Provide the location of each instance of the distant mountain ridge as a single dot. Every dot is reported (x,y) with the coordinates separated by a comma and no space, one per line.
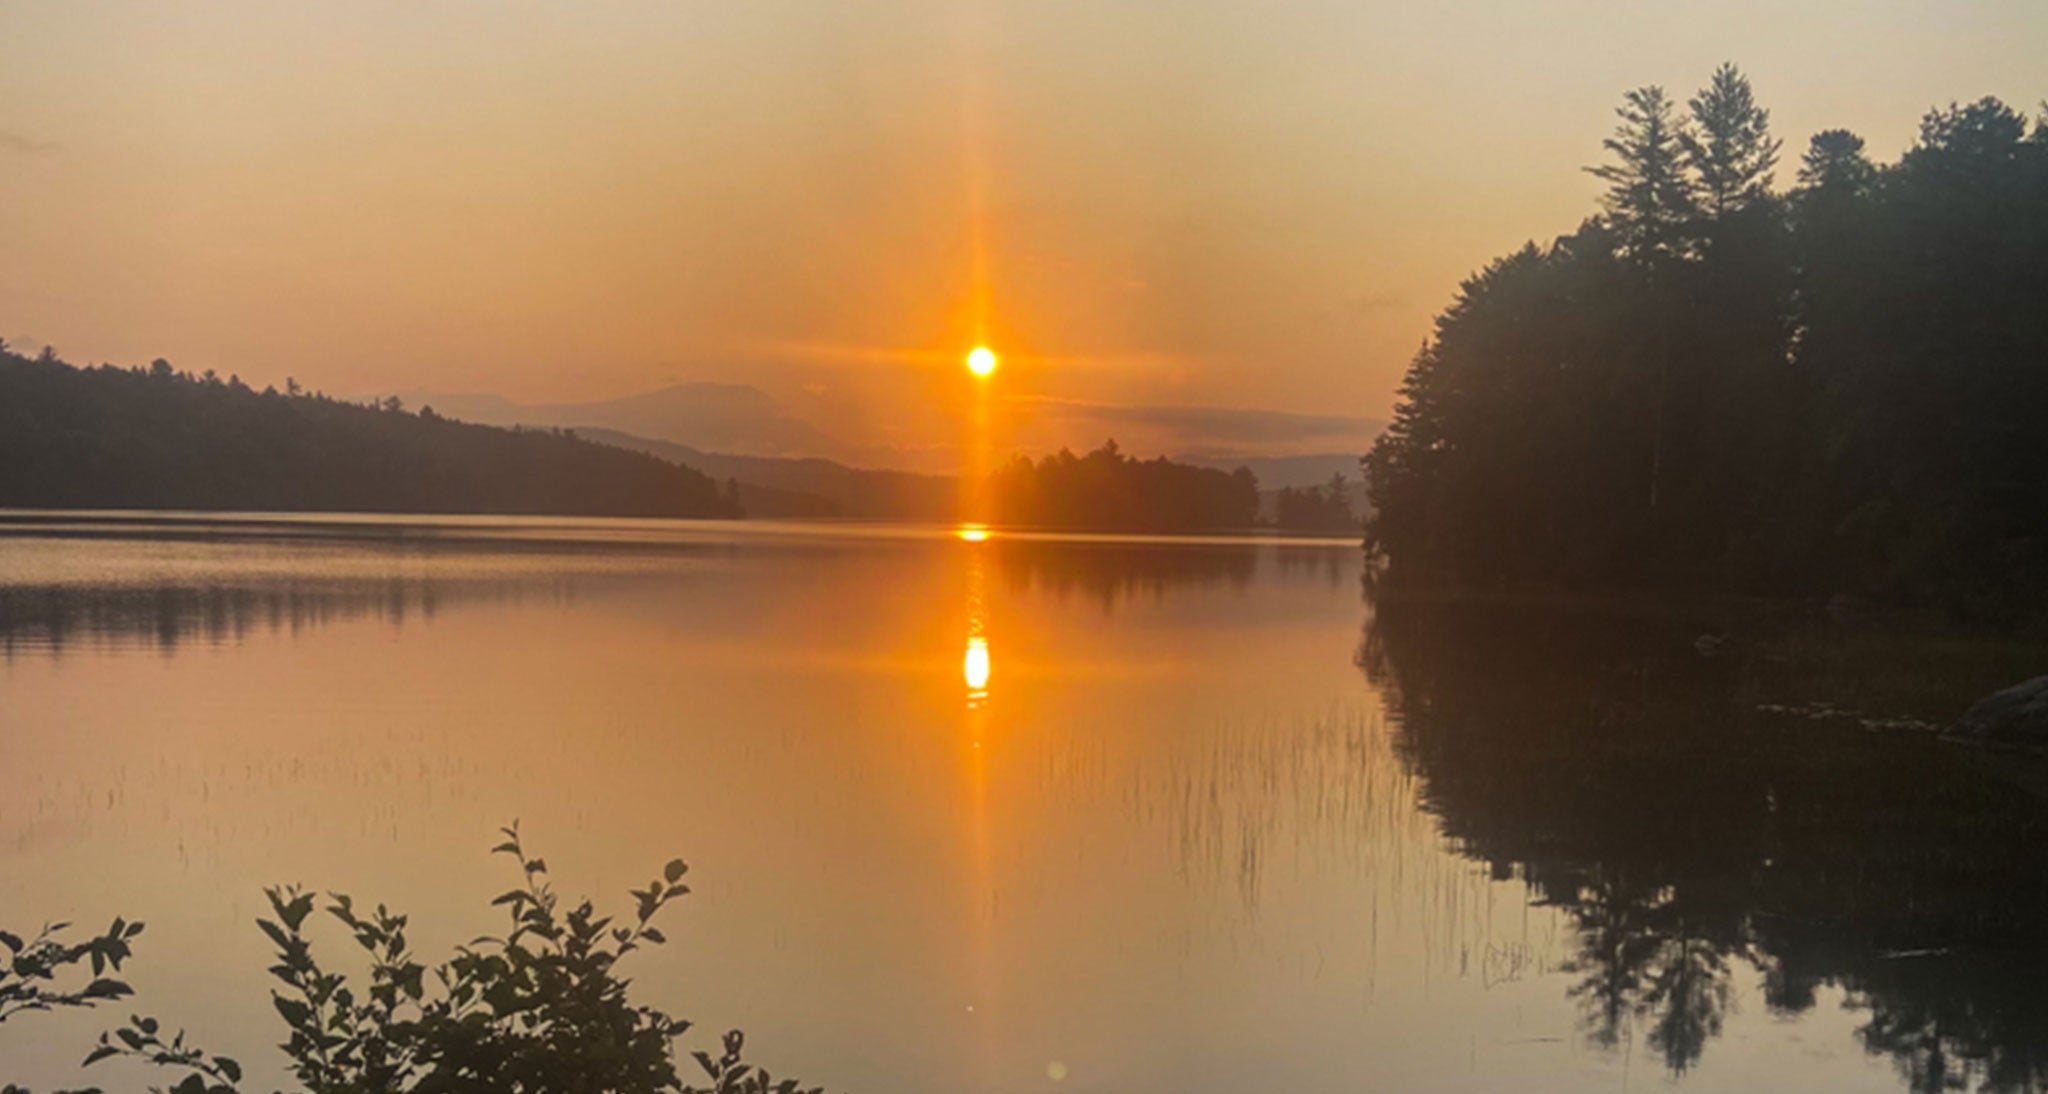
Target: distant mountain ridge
(785,467)
(777,486)
(741,419)
(705,416)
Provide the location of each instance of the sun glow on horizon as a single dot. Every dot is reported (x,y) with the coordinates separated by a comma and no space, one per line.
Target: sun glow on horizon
(982,361)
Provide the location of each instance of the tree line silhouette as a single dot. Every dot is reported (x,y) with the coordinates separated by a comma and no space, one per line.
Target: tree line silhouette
(1324,508)
(1106,490)
(157,438)
(1713,384)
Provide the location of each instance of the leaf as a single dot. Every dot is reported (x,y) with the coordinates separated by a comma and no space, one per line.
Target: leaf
(98,1054)
(228,1067)
(675,870)
(12,941)
(104,988)
(295,912)
(296,1014)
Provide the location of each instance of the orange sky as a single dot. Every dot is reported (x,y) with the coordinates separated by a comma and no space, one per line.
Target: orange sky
(1182,204)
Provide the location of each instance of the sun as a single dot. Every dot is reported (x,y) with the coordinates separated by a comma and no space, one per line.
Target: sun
(981,362)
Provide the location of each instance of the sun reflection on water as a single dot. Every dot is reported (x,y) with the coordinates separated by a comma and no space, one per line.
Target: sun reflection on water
(976,667)
(985,983)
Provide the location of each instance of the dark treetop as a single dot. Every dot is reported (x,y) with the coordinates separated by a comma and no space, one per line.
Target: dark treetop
(1716,385)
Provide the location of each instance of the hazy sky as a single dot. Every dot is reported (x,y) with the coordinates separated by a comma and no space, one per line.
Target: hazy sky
(1178,204)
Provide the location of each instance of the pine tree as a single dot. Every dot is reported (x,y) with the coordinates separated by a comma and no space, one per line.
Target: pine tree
(1729,145)
(1650,200)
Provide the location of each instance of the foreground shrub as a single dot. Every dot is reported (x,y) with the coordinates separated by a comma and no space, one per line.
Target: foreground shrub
(541,1009)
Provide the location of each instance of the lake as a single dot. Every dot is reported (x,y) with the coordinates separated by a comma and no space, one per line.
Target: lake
(993,812)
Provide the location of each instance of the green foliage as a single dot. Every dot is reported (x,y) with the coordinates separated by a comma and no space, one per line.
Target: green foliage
(1109,491)
(1717,387)
(156,438)
(540,1009)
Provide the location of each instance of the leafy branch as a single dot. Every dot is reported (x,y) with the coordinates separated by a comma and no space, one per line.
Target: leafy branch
(540,1009)
(29,980)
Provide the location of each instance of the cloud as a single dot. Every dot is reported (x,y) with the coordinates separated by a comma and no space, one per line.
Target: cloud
(1212,429)
(27,146)
(1381,300)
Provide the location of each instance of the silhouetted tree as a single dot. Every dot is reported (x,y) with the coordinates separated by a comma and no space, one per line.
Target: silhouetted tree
(1713,386)
(1834,164)
(1729,146)
(1325,508)
(1110,491)
(1650,200)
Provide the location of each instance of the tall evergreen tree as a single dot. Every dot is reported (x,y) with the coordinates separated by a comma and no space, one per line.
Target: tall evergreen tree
(1729,144)
(1734,395)
(1650,199)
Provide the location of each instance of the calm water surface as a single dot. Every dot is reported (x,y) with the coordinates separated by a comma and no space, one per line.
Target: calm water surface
(1027,814)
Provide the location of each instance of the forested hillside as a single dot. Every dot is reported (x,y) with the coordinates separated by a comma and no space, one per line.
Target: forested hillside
(156,438)
(1717,384)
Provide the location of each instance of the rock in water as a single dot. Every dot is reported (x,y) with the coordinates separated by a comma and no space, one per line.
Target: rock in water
(2016,716)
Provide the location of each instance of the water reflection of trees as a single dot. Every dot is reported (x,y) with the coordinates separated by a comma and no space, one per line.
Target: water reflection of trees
(198,579)
(172,616)
(1333,565)
(1111,573)
(1630,780)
